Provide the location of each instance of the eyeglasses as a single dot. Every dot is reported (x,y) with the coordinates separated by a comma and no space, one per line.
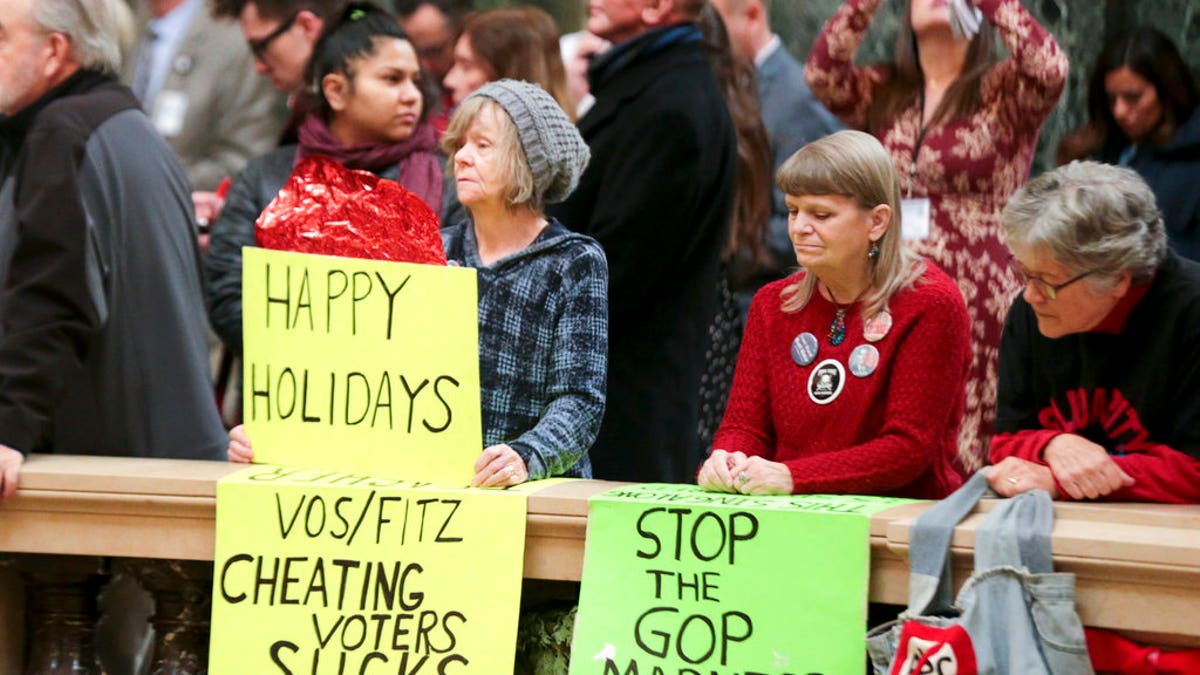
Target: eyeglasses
(1044,287)
(259,47)
(433,51)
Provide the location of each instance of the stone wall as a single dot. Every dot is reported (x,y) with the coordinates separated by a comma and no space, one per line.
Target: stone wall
(1080,26)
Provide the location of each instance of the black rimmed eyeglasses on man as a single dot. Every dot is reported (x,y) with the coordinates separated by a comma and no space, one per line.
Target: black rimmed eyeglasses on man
(259,46)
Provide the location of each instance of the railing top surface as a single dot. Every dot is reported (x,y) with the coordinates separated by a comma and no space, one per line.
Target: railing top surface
(1157,534)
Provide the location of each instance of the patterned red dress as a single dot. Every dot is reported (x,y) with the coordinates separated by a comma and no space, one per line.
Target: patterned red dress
(966,166)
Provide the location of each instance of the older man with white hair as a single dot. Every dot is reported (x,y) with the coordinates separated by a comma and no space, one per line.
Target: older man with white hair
(102,345)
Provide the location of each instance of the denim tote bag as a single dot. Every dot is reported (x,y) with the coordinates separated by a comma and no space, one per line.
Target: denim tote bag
(1014,615)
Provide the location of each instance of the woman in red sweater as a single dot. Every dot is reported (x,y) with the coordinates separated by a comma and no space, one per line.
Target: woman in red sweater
(851,373)
(961,127)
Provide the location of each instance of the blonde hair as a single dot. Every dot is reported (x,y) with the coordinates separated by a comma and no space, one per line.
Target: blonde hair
(855,165)
(517,174)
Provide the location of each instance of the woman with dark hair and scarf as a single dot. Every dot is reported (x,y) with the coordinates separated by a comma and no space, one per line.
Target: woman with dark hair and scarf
(366,104)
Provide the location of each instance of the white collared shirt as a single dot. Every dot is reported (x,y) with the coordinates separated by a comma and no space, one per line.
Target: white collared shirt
(767,50)
(169,31)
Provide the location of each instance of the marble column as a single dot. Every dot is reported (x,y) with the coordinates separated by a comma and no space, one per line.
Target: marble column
(61,613)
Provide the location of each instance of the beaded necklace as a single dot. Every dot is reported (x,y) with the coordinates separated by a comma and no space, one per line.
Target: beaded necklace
(837,329)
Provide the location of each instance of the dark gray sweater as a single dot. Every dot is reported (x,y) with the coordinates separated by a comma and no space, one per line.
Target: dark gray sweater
(103,348)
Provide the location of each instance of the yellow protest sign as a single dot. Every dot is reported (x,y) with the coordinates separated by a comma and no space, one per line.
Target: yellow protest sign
(322,572)
(361,365)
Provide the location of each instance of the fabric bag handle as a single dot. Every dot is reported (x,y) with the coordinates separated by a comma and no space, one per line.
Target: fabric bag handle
(1017,534)
(930,587)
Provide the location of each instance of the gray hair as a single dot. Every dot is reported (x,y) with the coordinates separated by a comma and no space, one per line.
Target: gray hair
(1090,217)
(92,26)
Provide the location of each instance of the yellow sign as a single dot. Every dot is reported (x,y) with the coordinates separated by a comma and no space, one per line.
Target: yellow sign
(361,365)
(320,572)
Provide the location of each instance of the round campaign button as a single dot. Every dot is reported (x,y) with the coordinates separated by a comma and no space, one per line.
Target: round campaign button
(877,326)
(183,64)
(826,381)
(804,349)
(864,360)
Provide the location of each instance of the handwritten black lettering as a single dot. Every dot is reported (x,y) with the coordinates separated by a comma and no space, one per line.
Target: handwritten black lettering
(449,411)
(330,295)
(358,279)
(391,299)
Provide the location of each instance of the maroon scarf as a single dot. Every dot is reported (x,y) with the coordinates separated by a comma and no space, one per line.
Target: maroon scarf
(419,170)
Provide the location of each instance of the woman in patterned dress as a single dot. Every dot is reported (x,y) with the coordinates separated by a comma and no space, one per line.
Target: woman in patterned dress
(961,127)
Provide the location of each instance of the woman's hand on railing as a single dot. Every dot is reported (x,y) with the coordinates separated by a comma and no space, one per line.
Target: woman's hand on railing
(239,445)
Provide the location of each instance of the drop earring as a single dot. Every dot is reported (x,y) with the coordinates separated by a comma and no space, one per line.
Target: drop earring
(873,252)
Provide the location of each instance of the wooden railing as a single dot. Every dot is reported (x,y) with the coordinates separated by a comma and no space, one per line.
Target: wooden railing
(1137,566)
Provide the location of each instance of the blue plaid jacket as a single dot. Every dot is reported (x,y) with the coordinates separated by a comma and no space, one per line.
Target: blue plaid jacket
(543,346)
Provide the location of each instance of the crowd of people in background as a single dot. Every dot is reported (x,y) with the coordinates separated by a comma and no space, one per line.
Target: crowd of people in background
(762,273)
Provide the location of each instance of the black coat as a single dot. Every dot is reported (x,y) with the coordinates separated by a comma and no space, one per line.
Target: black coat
(1173,172)
(657,195)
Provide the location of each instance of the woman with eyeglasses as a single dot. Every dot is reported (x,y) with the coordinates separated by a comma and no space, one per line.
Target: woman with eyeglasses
(1099,392)
(366,103)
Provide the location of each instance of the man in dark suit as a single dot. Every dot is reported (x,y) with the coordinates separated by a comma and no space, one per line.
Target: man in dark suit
(792,115)
(658,196)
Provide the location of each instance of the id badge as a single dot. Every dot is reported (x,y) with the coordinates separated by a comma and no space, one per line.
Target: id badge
(914,218)
(169,110)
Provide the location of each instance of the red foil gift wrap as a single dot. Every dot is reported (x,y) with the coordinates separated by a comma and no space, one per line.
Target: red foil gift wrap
(328,209)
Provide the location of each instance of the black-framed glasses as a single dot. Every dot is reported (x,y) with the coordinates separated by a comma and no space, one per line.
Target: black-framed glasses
(259,46)
(1044,287)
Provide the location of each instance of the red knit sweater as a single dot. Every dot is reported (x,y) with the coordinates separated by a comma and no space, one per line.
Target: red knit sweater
(891,433)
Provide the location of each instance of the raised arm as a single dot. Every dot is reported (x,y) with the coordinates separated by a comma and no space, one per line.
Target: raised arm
(844,88)
(1029,83)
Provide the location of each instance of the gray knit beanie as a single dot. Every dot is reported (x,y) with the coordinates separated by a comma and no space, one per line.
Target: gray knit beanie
(553,147)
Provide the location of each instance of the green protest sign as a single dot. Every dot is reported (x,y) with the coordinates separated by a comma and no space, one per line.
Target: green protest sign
(678,581)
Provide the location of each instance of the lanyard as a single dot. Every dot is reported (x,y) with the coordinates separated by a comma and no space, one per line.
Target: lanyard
(912,167)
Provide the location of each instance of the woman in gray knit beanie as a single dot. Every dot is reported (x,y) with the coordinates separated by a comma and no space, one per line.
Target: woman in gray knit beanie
(543,299)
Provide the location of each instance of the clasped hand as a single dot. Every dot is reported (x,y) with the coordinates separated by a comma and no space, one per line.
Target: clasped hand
(737,473)
(1082,468)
